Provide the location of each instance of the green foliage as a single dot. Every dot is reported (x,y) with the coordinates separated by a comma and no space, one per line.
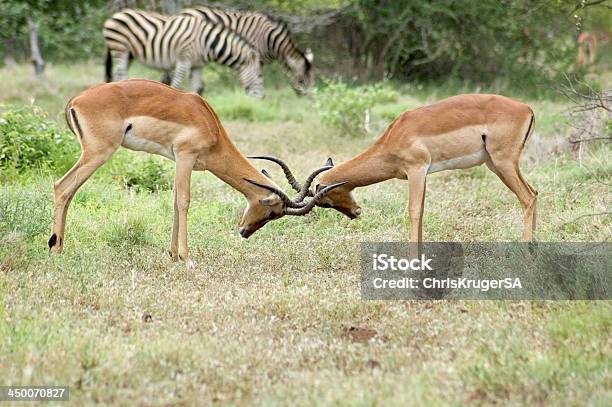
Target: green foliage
(67,29)
(30,141)
(126,232)
(480,40)
(345,108)
(146,175)
(24,211)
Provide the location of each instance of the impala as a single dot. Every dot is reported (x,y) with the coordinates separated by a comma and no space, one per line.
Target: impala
(459,132)
(155,118)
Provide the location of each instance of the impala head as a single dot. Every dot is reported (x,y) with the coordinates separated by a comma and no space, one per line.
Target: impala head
(340,199)
(300,72)
(272,203)
(259,211)
(328,193)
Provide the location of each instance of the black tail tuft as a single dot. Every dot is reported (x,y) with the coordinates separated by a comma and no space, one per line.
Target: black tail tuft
(108,66)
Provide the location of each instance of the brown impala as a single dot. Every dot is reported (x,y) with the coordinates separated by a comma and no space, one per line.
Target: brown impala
(459,132)
(149,116)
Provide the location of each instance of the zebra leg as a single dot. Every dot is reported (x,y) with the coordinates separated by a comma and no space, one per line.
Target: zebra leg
(122,62)
(166,77)
(181,69)
(252,80)
(197,85)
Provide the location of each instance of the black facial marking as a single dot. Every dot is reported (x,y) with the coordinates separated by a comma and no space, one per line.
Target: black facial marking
(52,240)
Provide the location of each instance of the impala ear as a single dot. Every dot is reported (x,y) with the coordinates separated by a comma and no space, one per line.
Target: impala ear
(329,162)
(264,172)
(309,55)
(270,200)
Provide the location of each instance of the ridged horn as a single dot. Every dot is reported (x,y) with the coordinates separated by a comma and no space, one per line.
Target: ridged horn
(311,204)
(305,191)
(286,200)
(292,181)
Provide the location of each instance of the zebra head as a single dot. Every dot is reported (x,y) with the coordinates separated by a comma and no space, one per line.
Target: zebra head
(300,72)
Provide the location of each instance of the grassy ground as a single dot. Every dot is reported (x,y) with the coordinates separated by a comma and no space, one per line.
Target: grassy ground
(278,319)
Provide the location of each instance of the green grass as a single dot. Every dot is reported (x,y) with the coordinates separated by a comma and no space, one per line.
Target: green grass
(263,321)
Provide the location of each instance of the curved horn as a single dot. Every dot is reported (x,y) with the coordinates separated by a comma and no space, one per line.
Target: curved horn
(305,191)
(308,207)
(286,200)
(292,181)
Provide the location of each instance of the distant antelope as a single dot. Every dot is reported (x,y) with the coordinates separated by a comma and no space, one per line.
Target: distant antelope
(587,49)
(149,116)
(459,132)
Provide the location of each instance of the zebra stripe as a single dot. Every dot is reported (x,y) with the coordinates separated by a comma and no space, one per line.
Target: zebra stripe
(183,43)
(269,37)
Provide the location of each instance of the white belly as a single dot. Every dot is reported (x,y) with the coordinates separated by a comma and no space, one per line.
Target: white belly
(465,161)
(132,142)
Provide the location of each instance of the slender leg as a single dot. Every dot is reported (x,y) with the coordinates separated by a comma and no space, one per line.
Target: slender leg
(122,62)
(510,175)
(181,69)
(175,229)
(251,79)
(197,85)
(416,202)
(67,186)
(166,77)
(184,167)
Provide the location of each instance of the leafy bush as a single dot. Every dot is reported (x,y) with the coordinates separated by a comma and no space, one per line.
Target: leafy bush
(68,30)
(147,175)
(29,141)
(126,232)
(24,211)
(347,108)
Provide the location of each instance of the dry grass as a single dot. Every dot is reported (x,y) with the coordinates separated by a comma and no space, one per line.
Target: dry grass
(278,319)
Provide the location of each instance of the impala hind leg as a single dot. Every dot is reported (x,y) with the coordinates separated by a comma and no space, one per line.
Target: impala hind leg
(510,174)
(416,203)
(67,186)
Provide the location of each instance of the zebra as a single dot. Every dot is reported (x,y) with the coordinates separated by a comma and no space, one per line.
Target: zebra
(271,38)
(183,43)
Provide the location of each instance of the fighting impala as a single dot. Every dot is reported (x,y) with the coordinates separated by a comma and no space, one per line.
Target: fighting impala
(459,132)
(149,116)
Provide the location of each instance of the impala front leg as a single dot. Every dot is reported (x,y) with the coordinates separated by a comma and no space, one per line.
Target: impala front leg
(182,185)
(175,229)
(416,202)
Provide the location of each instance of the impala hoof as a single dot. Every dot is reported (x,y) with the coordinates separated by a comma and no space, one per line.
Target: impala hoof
(52,240)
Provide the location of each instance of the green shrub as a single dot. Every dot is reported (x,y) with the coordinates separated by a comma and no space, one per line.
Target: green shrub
(29,141)
(346,108)
(25,212)
(147,175)
(126,232)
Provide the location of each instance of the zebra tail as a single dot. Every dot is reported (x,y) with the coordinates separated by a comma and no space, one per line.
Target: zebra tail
(108,66)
